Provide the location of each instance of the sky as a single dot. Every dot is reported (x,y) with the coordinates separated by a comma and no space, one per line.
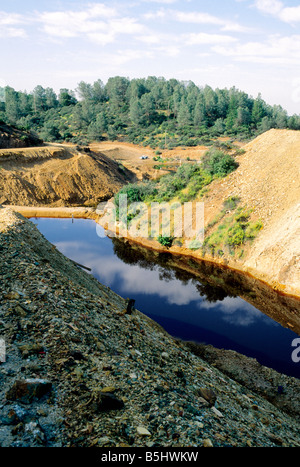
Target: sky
(253,45)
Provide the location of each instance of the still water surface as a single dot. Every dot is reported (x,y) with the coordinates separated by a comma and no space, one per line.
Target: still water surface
(185,307)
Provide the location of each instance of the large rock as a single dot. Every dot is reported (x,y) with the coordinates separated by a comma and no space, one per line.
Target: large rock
(28,390)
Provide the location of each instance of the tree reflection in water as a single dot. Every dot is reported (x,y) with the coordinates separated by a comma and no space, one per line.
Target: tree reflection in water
(148,259)
(214,282)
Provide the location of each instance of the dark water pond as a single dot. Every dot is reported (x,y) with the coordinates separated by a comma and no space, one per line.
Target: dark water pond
(192,301)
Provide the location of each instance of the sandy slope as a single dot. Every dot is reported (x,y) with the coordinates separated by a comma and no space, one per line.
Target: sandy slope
(268,181)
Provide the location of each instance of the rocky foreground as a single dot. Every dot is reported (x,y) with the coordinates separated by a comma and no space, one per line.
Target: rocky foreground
(83,369)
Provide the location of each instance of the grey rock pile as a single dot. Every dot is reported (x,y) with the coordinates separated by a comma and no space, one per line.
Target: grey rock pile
(80,371)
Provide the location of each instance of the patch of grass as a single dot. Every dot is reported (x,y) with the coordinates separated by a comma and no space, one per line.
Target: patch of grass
(229,204)
(234,231)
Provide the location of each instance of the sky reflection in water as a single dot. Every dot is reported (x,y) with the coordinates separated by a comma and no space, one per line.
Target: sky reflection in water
(230,323)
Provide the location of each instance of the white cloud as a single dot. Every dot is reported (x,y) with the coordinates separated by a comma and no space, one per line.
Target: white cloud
(150,39)
(276,49)
(206,18)
(169,50)
(290,15)
(167,2)
(196,17)
(9,19)
(237,312)
(126,26)
(277,8)
(100,10)
(158,14)
(126,55)
(97,23)
(12,32)
(101,38)
(108,270)
(9,25)
(204,38)
(272,7)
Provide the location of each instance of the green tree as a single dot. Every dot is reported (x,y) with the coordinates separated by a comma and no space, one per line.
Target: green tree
(200,117)
(25,104)
(50,132)
(99,91)
(294,122)
(116,90)
(258,110)
(136,112)
(219,127)
(280,117)
(66,97)
(183,116)
(211,104)
(51,98)
(12,110)
(218,163)
(39,99)
(85,91)
(148,108)
(243,116)
(232,113)
(222,102)
(98,127)
(265,125)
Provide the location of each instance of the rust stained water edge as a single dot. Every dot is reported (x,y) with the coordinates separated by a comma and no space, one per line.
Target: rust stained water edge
(281,307)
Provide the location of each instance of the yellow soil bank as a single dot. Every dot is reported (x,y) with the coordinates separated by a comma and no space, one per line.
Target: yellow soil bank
(59,212)
(59,175)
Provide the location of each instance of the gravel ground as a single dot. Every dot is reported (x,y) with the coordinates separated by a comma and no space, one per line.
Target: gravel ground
(83,370)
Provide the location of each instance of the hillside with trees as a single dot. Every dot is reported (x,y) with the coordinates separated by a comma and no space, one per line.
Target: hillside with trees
(11,137)
(151,111)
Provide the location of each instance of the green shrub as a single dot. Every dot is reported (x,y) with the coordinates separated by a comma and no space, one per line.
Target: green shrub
(235,235)
(253,229)
(136,193)
(165,241)
(231,203)
(218,164)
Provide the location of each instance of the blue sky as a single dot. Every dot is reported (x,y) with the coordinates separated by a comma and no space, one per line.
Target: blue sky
(253,45)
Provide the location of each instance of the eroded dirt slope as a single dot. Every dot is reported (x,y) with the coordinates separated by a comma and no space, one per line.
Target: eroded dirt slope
(58,176)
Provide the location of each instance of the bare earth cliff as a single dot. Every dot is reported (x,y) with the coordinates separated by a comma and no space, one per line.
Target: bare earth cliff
(268,181)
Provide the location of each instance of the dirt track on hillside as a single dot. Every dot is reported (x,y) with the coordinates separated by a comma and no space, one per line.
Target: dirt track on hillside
(267,181)
(130,155)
